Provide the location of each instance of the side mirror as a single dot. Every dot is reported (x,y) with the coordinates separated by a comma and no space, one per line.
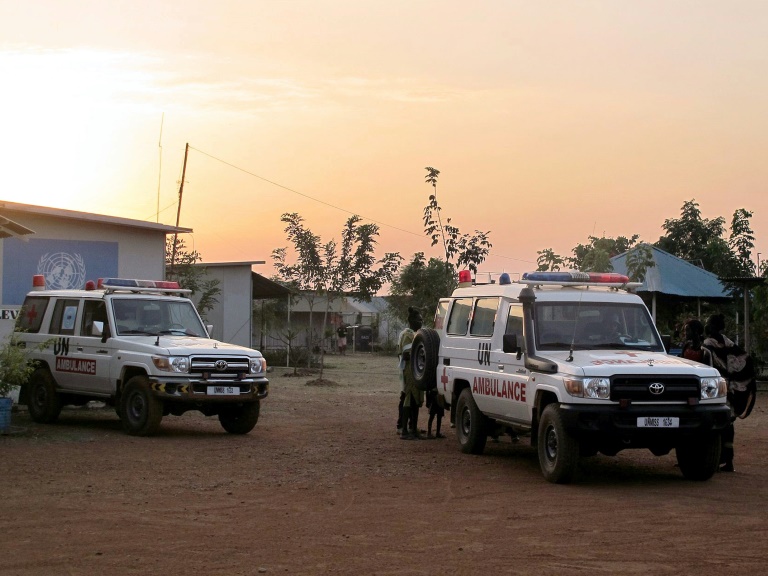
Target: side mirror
(666,340)
(209,327)
(97,328)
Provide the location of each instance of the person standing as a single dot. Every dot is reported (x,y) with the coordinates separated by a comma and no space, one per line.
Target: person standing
(735,365)
(693,348)
(341,334)
(411,397)
(436,410)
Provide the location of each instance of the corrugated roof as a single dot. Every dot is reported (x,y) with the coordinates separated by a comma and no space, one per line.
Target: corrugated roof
(88,217)
(265,288)
(674,276)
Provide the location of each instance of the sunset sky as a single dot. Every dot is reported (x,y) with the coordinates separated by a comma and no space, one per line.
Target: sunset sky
(549,121)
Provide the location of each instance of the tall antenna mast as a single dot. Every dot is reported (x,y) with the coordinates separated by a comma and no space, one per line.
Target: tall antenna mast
(160,166)
(178,210)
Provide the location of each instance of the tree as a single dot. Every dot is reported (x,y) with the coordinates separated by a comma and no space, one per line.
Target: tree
(639,259)
(742,241)
(595,256)
(186,270)
(325,270)
(468,250)
(695,239)
(549,261)
(421,284)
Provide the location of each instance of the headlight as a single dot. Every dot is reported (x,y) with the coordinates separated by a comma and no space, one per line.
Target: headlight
(596,388)
(171,363)
(713,388)
(258,365)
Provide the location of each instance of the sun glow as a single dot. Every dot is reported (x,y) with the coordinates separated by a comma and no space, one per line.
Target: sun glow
(63,115)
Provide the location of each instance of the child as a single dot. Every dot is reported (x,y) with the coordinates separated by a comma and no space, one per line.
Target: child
(435,409)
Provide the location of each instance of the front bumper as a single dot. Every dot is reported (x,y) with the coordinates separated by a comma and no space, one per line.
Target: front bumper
(601,423)
(246,390)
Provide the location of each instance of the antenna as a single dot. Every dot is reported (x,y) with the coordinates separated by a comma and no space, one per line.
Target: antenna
(160,165)
(178,210)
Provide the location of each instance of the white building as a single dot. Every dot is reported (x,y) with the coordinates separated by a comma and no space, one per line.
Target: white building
(69,248)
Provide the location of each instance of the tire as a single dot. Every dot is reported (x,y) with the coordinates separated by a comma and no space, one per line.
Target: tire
(699,458)
(140,411)
(43,402)
(471,424)
(240,419)
(558,450)
(424,352)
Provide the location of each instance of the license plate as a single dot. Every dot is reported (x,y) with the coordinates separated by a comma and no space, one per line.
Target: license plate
(658,422)
(223,391)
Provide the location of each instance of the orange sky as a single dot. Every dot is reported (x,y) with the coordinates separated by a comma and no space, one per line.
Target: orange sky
(549,121)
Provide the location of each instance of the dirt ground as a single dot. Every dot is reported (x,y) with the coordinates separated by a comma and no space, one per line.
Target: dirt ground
(323,485)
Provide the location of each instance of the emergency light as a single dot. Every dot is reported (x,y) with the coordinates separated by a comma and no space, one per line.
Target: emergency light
(591,277)
(465,278)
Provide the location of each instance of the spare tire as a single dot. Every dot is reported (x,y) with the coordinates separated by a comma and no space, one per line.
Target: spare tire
(424,352)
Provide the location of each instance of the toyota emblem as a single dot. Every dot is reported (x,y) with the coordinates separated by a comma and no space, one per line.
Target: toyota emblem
(656,388)
(221,365)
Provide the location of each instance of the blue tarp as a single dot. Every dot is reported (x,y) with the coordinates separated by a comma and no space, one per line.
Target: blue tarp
(672,275)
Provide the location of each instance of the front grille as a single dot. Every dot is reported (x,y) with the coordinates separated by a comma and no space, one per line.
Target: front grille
(638,388)
(213,367)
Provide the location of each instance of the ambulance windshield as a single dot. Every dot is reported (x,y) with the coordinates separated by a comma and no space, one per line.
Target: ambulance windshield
(143,316)
(594,325)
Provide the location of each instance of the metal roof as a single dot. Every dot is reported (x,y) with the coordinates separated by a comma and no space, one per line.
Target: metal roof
(674,276)
(14,207)
(265,288)
(9,228)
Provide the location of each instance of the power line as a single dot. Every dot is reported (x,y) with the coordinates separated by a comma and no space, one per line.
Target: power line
(328,203)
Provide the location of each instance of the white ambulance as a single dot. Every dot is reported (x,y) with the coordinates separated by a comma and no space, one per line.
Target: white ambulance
(573,360)
(140,346)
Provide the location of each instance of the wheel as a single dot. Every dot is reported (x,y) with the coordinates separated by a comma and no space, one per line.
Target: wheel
(424,352)
(471,424)
(43,402)
(699,458)
(558,450)
(140,410)
(240,419)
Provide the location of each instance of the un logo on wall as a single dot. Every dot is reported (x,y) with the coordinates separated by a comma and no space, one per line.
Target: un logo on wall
(62,271)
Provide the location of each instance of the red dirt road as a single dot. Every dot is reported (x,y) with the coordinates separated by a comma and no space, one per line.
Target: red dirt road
(324,486)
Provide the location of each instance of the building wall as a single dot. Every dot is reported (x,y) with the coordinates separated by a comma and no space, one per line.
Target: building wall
(231,315)
(72,251)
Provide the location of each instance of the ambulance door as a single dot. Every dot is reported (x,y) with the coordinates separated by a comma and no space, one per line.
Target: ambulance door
(511,382)
(483,378)
(93,351)
(62,331)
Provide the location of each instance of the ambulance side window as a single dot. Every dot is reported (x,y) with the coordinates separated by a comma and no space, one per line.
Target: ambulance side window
(93,311)
(458,322)
(484,317)
(64,315)
(515,324)
(31,316)
(441,313)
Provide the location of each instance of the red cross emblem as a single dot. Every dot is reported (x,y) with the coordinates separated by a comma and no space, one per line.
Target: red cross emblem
(32,314)
(444,379)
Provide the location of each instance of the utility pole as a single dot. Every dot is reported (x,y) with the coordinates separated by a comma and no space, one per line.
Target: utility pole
(178,210)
